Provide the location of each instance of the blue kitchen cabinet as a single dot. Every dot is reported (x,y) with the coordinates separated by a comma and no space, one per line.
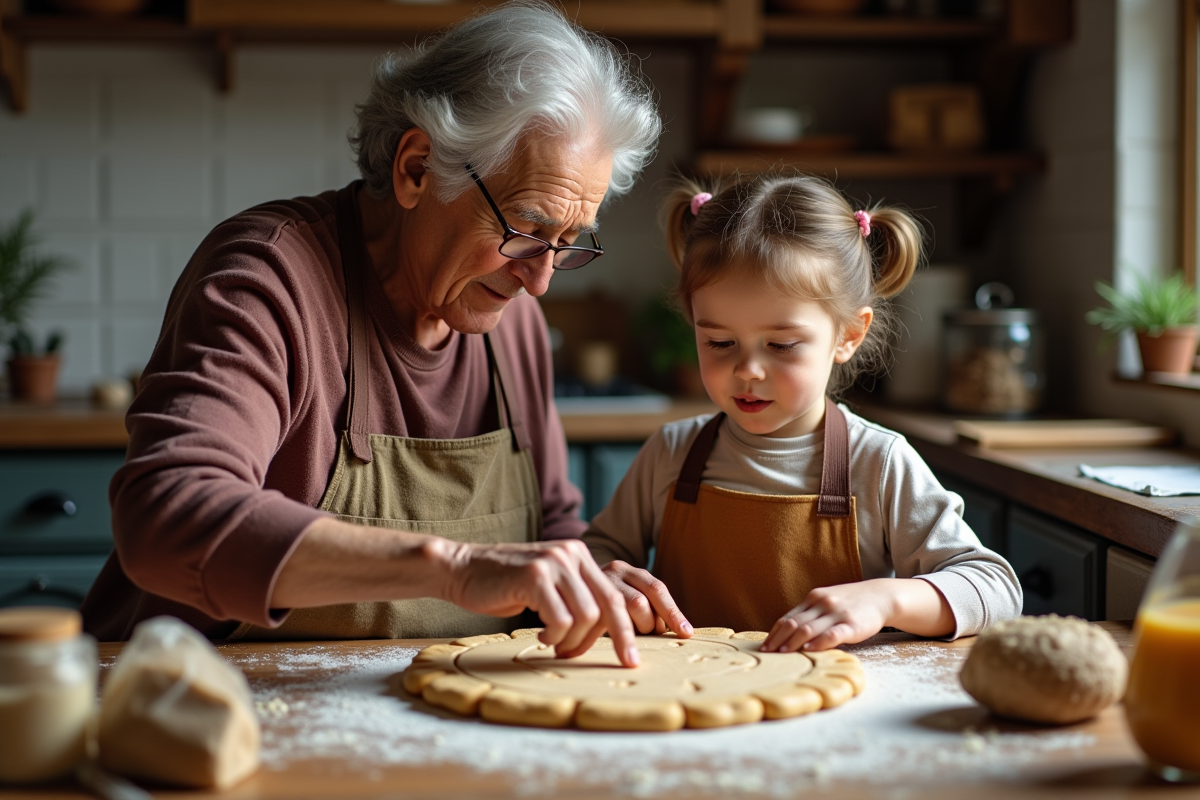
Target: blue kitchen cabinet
(1061,567)
(982,511)
(597,469)
(55,523)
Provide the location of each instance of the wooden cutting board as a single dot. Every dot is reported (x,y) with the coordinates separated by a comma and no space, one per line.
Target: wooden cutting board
(1063,433)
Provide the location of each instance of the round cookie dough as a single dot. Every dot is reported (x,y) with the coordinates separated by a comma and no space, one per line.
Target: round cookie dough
(1047,669)
(713,679)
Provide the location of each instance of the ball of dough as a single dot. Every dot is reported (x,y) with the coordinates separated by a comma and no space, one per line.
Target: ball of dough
(1045,669)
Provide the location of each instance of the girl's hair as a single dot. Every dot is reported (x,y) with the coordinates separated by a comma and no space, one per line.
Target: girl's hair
(480,86)
(798,234)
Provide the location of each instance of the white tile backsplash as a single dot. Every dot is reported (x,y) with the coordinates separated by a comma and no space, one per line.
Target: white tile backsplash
(248,181)
(160,188)
(17,186)
(135,270)
(129,155)
(70,189)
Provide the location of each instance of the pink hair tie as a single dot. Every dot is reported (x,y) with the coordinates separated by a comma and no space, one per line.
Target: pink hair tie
(699,200)
(864,222)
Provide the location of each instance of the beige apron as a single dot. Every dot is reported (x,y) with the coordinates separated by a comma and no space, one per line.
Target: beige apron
(481,490)
(740,560)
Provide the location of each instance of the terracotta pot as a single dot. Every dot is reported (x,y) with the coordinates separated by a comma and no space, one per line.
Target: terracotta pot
(1172,351)
(33,379)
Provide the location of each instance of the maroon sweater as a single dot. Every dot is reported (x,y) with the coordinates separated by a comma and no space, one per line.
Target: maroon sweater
(235,429)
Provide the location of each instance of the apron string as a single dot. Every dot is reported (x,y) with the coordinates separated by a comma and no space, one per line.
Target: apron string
(687,485)
(354,260)
(502,380)
(834,500)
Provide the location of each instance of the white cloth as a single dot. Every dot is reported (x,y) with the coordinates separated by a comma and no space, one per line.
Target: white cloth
(1163,481)
(908,525)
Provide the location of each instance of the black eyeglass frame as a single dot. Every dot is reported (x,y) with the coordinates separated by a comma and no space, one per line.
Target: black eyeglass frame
(511,233)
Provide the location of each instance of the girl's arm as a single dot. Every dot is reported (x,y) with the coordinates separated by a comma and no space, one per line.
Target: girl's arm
(851,612)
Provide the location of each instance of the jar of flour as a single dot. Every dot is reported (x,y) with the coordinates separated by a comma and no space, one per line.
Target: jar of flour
(47,692)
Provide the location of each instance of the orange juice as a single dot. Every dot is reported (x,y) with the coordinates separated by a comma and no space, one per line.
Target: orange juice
(1162,702)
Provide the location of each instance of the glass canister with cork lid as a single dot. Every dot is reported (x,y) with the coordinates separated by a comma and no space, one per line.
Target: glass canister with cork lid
(47,692)
(993,356)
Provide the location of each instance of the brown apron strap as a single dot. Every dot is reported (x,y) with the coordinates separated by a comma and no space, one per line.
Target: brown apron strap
(687,486)
(502,379)
(834,500)
(354,260)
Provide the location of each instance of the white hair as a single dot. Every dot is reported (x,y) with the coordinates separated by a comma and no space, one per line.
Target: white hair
(481,85)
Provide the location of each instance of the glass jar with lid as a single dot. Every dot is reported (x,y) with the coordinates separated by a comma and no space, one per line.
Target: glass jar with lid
(47,692)
(993,356)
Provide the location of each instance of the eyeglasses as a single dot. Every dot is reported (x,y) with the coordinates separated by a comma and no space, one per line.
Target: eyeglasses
(522,245)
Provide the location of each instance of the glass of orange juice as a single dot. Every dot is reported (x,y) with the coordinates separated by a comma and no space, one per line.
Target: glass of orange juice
(1162,701)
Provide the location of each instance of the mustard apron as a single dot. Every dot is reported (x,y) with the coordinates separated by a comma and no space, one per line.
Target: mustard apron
(480,490)
(740,560)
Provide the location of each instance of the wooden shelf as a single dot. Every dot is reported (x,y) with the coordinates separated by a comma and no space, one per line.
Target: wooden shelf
(646,19)
(1188,383)
(875,30)
(1002,167)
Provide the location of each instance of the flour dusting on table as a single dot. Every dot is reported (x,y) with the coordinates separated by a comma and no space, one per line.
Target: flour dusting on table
(910,718)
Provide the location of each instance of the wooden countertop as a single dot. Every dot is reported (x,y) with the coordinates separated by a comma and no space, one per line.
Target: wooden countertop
(1048,480)
(74,423)
(1095,758)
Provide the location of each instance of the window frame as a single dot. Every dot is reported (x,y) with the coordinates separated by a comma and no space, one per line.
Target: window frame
(1189,85)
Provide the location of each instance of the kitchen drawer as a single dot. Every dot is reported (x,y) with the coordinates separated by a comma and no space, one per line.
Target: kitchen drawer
(56,502)
(47,580)
(983,511)
(1125,582)
(1060,567)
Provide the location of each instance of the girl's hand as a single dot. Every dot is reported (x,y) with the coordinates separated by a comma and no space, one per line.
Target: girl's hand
(646,598)
(851,612)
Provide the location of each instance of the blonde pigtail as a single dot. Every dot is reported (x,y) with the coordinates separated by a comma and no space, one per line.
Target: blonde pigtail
(899,254)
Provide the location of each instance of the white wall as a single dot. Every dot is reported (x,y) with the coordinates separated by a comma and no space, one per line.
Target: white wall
(1103,109)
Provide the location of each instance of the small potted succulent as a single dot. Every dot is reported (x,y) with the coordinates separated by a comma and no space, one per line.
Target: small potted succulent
(24,277)
(1162,314)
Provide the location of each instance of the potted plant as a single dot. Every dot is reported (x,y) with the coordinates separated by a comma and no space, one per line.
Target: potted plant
(671,345)
(1162,313)
(24,277)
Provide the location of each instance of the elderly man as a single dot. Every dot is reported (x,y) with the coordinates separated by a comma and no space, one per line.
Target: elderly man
(347,428)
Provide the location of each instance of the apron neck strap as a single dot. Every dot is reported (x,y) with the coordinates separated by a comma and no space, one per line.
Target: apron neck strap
(355,260)
(687,485)
(834,499)
(501,381)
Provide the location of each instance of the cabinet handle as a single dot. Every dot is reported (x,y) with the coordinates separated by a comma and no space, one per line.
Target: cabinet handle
(51,504)
(1038,581)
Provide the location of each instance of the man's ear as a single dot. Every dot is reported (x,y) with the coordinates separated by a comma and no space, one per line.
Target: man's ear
(853,337)
(410,176)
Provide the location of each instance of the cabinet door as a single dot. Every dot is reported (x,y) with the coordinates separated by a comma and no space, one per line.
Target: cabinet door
(606,467)
(1059,567)
(983,511)
(56,502)
(47,580)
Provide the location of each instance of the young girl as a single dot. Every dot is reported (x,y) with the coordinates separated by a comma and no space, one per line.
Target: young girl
(786,512)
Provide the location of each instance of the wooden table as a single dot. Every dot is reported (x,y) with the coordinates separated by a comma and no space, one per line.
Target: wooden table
(1107,765)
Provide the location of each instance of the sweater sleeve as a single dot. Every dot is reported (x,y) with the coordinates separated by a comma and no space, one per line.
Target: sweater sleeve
(191,519)
(928,539)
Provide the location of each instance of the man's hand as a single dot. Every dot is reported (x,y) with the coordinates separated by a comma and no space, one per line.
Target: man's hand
(647,600)
(557,579)
(851,612)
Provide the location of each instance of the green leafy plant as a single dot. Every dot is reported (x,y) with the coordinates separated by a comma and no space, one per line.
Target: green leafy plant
(25,276)
(1152,307)
(670,339)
